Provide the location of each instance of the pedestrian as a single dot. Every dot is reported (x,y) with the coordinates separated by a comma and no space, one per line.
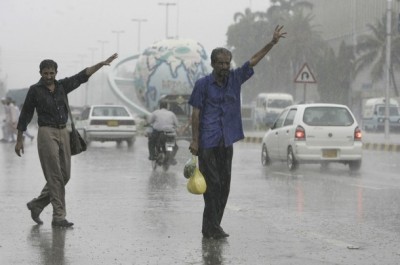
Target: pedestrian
(216,125)
(5,127)
(14,114)
(48,98)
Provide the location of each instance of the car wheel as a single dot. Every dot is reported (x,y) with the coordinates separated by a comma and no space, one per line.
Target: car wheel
(355,165)
(292,162)
(324,165)
(130,142)
(265,159)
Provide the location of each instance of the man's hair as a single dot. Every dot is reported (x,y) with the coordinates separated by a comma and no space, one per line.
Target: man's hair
(163,105)
(48,64)
(218,51)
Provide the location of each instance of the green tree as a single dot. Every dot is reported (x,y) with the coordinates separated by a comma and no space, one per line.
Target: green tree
(371,52)
(335,74)
(245,37)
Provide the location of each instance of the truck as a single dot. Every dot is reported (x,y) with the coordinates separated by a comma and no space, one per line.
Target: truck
(268,106)
(179,104)
(373,118)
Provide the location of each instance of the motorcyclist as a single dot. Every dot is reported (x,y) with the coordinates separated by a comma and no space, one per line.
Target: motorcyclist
(161,120)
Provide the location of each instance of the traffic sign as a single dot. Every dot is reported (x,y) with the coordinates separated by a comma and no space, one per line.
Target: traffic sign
(305,75)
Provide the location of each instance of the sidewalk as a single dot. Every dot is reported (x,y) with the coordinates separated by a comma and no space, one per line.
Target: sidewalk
(371,141)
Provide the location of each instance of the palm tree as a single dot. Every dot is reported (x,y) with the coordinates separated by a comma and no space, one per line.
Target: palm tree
(371,51)
(245,37)
(334,74)
(253,29)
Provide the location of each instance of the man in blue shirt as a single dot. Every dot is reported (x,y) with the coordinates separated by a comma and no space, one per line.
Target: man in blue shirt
(216,125)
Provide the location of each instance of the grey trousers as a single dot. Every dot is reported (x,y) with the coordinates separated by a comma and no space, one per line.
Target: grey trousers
(55,159)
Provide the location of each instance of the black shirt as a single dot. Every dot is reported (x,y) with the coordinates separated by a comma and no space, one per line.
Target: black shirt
(50,106)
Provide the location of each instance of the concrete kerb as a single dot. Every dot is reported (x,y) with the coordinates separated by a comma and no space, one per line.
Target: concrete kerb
(389,147)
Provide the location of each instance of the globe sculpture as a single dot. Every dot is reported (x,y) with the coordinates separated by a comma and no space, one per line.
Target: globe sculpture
(169,67)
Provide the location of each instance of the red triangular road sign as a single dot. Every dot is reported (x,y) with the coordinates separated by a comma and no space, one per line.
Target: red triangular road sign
(305,75)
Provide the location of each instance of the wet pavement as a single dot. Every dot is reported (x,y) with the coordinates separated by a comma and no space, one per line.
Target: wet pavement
(126,213)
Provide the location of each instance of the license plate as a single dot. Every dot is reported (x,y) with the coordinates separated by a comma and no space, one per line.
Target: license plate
(112,123)
(170,146)
(329,153)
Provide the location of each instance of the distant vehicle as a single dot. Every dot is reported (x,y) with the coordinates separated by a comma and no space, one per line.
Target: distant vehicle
(314,133)
(268,106)
(107,123)
(179,104)
(374,114)
(164,150)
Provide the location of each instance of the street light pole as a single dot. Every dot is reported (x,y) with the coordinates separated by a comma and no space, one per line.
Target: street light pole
(388,47)
(166,4)
(102,42)
(92,50)
(118,32)
(139,21)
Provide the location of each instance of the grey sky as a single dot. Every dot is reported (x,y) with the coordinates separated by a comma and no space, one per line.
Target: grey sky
(65,30)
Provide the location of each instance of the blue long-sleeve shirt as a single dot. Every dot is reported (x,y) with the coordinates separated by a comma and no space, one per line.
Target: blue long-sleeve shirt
(220,107)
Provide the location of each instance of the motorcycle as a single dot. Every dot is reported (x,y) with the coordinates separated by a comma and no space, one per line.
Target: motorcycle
(165,149)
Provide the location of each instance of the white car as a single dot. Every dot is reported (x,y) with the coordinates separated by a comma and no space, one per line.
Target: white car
(314,133)
(107,123)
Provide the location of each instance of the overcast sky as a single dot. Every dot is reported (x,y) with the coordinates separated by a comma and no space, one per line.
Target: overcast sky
(67,30)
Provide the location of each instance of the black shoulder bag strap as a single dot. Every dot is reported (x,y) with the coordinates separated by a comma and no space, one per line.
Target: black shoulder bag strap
(67,106)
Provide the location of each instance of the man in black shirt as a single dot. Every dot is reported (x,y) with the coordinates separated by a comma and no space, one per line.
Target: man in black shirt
(48,98)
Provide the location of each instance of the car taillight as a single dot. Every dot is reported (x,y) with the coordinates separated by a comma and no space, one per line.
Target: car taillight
(300,134)
(357,134)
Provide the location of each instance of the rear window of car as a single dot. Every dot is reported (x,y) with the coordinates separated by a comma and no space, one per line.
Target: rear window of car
(110,111)
(327,116)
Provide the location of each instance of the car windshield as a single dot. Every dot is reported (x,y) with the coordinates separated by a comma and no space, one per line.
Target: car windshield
(393,110)
(110,111)
(327,116)
(279,103)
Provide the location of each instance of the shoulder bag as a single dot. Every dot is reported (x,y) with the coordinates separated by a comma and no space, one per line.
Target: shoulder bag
(76,142)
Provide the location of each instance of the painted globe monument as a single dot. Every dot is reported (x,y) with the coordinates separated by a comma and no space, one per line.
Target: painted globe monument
(169,67)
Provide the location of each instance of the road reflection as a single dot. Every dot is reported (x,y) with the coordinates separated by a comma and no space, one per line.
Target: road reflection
(50,244)
(212,251)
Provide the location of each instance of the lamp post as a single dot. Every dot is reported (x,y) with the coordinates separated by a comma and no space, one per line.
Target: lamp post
(166,4)
(117,32)
(102,42)
(92,50)
(388,47)
(139,21)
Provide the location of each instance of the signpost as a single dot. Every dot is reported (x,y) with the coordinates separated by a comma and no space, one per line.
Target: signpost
(305,76)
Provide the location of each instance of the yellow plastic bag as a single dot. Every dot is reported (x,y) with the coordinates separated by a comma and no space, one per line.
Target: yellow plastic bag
(197,183)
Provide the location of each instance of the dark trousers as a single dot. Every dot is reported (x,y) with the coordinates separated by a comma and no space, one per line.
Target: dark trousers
(152,142)
(215,164)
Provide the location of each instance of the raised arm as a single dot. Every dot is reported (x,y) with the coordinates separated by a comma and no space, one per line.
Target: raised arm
(261,53)
(93,69)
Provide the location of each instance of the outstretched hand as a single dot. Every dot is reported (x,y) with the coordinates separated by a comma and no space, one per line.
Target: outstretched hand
(110,59)
(278,34)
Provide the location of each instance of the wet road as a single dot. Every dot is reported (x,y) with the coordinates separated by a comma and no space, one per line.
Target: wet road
(126,213)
